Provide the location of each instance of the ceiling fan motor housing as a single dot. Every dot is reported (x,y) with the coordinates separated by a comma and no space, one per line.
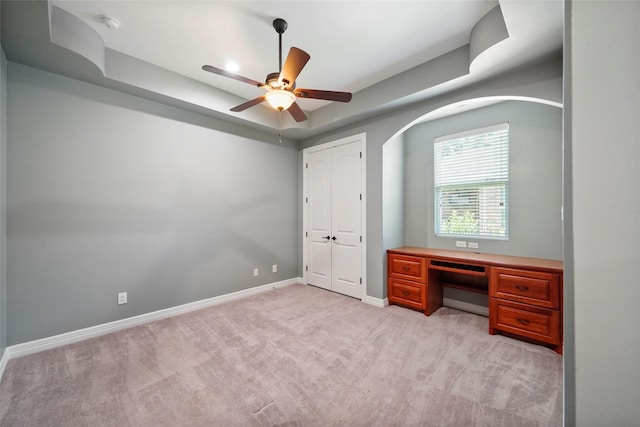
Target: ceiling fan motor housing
(273,82)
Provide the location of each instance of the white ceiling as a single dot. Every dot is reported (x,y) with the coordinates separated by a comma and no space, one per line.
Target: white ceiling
(354,45)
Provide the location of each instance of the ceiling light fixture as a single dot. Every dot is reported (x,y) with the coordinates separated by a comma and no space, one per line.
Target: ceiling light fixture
(110,22)
(280,99)
(232,66)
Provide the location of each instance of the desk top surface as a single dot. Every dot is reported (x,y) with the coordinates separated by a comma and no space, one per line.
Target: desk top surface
(482,258)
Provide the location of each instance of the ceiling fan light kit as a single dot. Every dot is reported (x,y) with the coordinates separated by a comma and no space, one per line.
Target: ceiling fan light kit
(281,86)
(280,99)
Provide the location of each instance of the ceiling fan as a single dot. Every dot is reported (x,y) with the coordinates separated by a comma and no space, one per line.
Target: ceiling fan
(281,86)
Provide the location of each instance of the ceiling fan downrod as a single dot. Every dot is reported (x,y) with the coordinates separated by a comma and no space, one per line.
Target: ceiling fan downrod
(280,25)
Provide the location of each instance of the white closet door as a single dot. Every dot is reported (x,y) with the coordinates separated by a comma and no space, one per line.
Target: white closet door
(319,218)
(346,219)
(334,219)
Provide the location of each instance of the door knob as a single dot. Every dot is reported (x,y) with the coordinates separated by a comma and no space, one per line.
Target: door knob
(334,238)
(327,237)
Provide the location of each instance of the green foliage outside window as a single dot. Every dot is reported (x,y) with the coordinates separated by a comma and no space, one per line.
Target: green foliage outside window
(460,223)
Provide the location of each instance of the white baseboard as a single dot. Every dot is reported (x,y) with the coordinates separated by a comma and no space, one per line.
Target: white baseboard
(3,363)
(465,306)
(376,302)
(105,328)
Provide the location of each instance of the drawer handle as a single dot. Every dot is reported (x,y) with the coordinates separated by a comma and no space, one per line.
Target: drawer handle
(522,288)
(406,268)
(523,321)
(405,293)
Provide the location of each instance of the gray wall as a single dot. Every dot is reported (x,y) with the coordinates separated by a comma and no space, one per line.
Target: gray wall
(3,183)
(602,289)
(393,192)
(110,193)
(535,179)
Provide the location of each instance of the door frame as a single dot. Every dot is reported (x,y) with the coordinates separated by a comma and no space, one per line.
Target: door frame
(362,138)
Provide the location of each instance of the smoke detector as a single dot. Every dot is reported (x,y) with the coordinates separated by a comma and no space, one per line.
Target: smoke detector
(110,22)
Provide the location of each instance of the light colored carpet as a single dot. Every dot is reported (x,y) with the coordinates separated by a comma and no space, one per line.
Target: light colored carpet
(296,356)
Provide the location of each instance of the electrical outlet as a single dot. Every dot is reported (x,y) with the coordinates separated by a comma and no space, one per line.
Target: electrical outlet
(274,268)
(474,245)
(255,272)
(461,244)
(122,298)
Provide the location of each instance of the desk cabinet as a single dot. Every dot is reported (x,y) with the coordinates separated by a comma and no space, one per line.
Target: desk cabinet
(407,284)
(525,294)
(526,303)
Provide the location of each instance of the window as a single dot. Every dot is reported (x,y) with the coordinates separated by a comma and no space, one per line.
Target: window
(471,184)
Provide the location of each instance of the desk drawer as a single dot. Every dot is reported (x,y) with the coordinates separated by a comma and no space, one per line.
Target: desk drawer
(410,294)
(529,287)
(533,322)
(408,267)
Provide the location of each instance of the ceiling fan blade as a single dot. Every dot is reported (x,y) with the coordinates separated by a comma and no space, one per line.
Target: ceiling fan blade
(248,104)
(226,73)
(297,113)
(328,95)
(295,62)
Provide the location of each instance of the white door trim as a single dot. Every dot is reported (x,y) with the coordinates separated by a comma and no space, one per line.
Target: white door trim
(362,137)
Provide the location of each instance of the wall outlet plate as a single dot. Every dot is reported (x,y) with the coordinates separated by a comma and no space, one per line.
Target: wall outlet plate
(255,272)
(461,244)
(274,268)
(474,245)
(122,298)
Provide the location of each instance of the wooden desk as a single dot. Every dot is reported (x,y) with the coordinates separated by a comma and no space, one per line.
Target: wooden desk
(525,294)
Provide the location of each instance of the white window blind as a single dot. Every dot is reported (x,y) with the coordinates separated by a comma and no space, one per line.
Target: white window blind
(471,180)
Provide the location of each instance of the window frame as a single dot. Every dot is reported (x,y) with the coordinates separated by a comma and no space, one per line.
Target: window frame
(471,185)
